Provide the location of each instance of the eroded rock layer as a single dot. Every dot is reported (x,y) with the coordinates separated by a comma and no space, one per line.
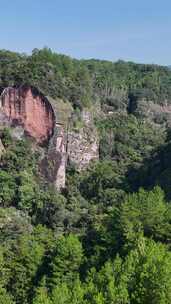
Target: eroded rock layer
(30,113)
(27,107)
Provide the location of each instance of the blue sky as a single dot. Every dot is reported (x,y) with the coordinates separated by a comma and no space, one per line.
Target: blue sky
(137,30)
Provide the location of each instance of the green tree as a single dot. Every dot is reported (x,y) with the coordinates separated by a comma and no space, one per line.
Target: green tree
(67,259)
(146,211)
(7,189)
(4,297)
(41,296)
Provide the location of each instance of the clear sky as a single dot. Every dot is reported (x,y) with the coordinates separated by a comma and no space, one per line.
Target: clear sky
(137,30)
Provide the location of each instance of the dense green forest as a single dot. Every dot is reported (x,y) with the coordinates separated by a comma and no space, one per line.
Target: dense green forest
(106,239)
(85,81)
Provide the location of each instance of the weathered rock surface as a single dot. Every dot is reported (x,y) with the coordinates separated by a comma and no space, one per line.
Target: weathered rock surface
(30,113)
(2,148)
(27,107)
(83,145)
(54,164)
(158,113)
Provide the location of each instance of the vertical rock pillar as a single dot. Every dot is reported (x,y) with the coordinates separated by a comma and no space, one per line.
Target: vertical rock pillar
(61,148)
(57,157)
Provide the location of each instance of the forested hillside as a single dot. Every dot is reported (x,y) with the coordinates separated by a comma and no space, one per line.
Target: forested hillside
(106,237)
(86,81)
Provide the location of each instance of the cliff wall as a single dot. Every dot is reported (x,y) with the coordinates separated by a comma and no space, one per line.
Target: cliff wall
(28,108)
(29,113)
(83,144)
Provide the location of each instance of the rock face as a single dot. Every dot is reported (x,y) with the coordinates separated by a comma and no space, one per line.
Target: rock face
(83,146)
(2,148)
(157,113)
(28,108)
(30,113)
(54,164)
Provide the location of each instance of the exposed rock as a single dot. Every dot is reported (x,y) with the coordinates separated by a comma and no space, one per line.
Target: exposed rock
(83,144)
(54,164)
(60,145)
(2,148)
(30,113)
(158,113)
(27,107)
(82,148)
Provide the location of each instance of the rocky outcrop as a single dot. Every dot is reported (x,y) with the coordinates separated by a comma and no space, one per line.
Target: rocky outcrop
(30,113)
(83,144)
(157,113)
(2,148)
(83,147)
(27,107)
(54,164)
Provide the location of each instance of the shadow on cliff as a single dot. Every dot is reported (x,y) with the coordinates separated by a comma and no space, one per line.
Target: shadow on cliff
(155,170)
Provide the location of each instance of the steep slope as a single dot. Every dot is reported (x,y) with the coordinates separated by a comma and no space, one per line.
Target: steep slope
(27,107)
(31,114)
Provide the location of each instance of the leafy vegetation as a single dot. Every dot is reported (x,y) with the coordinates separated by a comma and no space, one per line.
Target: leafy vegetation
(84,82)
(107,237)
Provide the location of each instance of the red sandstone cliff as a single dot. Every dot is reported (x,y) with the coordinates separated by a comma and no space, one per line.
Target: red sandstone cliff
(29,112)
(27,107)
